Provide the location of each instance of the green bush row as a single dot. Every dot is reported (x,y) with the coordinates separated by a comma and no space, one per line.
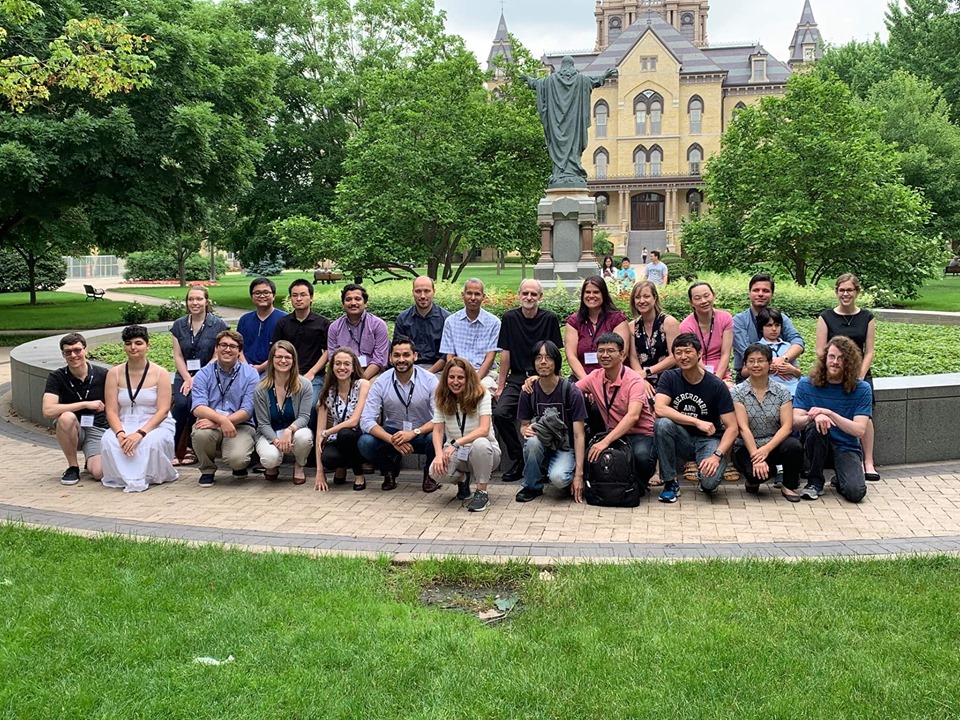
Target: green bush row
(138,314)
(156,265)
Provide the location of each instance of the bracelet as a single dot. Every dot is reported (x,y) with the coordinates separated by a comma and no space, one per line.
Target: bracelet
(141,433)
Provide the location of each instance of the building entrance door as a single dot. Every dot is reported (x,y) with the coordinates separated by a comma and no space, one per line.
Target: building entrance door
(646,212)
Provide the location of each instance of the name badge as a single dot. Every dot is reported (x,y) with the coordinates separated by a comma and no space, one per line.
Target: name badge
(193,365)
(590,358)
(86,420)
(710,369)
(408,427)
(362,359)
(463,453)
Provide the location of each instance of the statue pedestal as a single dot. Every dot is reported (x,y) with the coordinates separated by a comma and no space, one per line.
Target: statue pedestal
(566,217)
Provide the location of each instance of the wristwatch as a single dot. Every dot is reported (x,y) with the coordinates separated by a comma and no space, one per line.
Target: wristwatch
(718,453)
(416,431)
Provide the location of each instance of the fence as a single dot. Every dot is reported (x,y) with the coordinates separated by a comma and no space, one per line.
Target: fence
(93,266)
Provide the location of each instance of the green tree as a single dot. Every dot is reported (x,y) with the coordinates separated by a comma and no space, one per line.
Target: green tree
(924,37)
(440,167)
(916,118)
(858,64)
(805,182)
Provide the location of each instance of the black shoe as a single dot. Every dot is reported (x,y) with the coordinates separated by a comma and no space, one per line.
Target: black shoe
(240,474)
(513,474)
(463,489)
(389,481)
(206,480)
(526,494)
(71,476)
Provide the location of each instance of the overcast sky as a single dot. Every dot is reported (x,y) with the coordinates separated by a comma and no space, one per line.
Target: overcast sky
(551,25)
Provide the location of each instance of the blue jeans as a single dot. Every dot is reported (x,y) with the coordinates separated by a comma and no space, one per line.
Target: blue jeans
(384,456)
(559,465)
(675,446)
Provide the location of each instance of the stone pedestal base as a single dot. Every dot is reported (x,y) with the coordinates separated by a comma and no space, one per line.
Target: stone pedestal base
(566,217)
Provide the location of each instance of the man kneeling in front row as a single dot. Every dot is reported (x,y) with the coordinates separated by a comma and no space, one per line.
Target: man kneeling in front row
(695,420)
(834,407)
(552,427)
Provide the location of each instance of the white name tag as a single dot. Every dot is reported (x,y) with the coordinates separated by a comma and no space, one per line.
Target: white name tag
(86,420)
(362,359)
(463,453)
(408,427)
(590,358)
(193,365)
(710,369)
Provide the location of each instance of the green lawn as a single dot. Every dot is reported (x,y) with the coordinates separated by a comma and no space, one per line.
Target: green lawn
(942,295)
(107,628)
(57,311)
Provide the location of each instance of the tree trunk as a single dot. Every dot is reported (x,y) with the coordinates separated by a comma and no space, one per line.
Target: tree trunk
(182,270)
(9,224)
(213,261)
(32,276)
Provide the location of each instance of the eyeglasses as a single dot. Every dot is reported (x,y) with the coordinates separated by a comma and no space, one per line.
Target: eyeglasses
(261,293)
(67,352)
(846,291)
(227,346)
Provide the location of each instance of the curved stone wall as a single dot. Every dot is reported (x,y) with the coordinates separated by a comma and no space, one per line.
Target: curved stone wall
(916,417)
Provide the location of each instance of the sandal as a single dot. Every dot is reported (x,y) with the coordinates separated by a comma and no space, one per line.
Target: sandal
(358,486)
(189,457)
(176,461)
(655,481)
(690,472)
(299,480)
(731,474)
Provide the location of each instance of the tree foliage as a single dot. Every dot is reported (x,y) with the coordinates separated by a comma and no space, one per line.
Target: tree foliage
(806,183)
(859,64)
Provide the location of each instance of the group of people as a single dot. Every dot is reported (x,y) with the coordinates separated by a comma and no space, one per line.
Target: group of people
(626,277)
(346,394)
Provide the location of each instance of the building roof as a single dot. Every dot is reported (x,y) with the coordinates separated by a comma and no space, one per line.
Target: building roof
(806,33)
(501,44)
(736,62)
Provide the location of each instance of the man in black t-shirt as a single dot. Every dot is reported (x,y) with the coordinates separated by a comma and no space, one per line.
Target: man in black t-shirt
(73,398)
(520,329)
(695,420)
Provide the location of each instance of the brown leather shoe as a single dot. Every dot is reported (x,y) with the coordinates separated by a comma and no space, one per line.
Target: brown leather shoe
(429,484)
(389,481)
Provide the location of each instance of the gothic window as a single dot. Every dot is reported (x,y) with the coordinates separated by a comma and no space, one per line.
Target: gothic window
(656,113)
(600,113)
(600,161)
(695,110)
(686,26)
(694,200)
(648,104)
(656,161)
(616,25)
(640,161)
(603,202)
(695,158)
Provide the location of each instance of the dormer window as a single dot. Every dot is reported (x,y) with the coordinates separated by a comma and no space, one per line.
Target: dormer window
(758,68)
(809,53)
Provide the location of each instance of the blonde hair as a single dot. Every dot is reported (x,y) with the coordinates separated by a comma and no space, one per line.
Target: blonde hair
(850,278)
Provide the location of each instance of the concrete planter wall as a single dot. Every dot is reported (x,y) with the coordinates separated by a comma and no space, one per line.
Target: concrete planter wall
(916,417)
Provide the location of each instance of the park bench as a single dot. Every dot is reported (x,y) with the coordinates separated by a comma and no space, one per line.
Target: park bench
(326,277)
(951,270)
(94,293)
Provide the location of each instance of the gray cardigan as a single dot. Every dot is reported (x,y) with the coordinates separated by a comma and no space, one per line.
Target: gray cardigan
(302,404)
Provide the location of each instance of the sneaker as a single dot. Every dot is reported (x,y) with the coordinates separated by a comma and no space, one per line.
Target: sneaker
(480,501)
(670,492)
(463,488)
(778,480)
(240,473)
(71,476)
(810,492)
(206,480)
(704,490)
(526,494)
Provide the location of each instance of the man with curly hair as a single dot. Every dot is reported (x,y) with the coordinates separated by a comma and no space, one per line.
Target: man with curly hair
(833,407)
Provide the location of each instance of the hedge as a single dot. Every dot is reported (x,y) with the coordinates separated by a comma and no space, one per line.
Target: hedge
(156,265)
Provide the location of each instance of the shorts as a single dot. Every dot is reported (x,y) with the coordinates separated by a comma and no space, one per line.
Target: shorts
(90,438)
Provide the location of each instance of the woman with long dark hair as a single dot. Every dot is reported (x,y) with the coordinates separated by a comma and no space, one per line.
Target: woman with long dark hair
(597,314)
(463,414)
(342,396)
(608,270)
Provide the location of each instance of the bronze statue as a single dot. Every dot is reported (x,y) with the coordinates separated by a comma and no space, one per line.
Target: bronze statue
(563,101)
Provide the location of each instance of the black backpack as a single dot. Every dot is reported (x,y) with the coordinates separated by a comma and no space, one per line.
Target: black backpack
(610,481)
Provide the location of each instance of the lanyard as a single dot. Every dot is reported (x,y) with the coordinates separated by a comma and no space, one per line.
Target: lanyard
(233,377)
(643,335)
(133,395)
(193,337)
(87,383)
(706,344)
(336,402)
(355,339)
(592,329)
(608,400)
(396,390)
(461,422)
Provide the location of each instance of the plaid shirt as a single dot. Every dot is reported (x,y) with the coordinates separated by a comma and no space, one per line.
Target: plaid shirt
(470,340)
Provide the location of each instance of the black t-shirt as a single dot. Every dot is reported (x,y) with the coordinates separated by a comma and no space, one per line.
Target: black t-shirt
(69,389)
(518,335)
(534,405)
(308,337)
(707,400)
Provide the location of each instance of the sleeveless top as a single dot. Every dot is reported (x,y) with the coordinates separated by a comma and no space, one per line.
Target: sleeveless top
(851,326)
(339,409)
(651,350)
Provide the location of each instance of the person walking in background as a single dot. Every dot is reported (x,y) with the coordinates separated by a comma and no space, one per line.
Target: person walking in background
(656,271)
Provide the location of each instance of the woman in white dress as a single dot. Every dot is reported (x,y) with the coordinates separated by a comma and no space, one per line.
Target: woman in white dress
(137,451)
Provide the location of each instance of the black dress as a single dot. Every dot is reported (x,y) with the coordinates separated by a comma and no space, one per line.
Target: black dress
(851,326)
(653,349)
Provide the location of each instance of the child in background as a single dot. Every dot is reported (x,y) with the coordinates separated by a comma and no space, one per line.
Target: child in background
(769,323)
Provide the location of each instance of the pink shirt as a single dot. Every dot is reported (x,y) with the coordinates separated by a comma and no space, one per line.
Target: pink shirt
(712,340)
(627,388)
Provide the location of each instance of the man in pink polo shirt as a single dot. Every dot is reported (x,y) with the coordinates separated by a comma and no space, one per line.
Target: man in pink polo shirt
(623,399)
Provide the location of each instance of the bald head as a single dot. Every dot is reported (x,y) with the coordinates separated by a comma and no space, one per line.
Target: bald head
(529,295)
(423,291)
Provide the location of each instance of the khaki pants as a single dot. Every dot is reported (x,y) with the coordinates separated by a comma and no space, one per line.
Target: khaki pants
(236,451)
(270,456)
(484,459)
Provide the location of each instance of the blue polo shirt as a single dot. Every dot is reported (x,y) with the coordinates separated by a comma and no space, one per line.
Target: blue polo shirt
(832,397)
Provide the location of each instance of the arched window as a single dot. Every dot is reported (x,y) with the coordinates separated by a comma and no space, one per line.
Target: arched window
(648,104)
(603,202)
(640,157)
(695,110)
(739,106)
(600,113)
(600,161)
(695,158)
(694,200)
(615,25)
(656,161)
(686,26)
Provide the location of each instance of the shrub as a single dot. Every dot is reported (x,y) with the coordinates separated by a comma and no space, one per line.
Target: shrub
(157,265)
(602,245)
(268,266)
(51,272)
(679,267)
(135,314)
(170,310)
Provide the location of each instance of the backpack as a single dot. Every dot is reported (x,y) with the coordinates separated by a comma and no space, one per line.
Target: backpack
(610,481)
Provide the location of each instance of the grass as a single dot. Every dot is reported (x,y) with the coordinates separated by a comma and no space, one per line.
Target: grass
(57,311)
(942,295)
(108,628)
